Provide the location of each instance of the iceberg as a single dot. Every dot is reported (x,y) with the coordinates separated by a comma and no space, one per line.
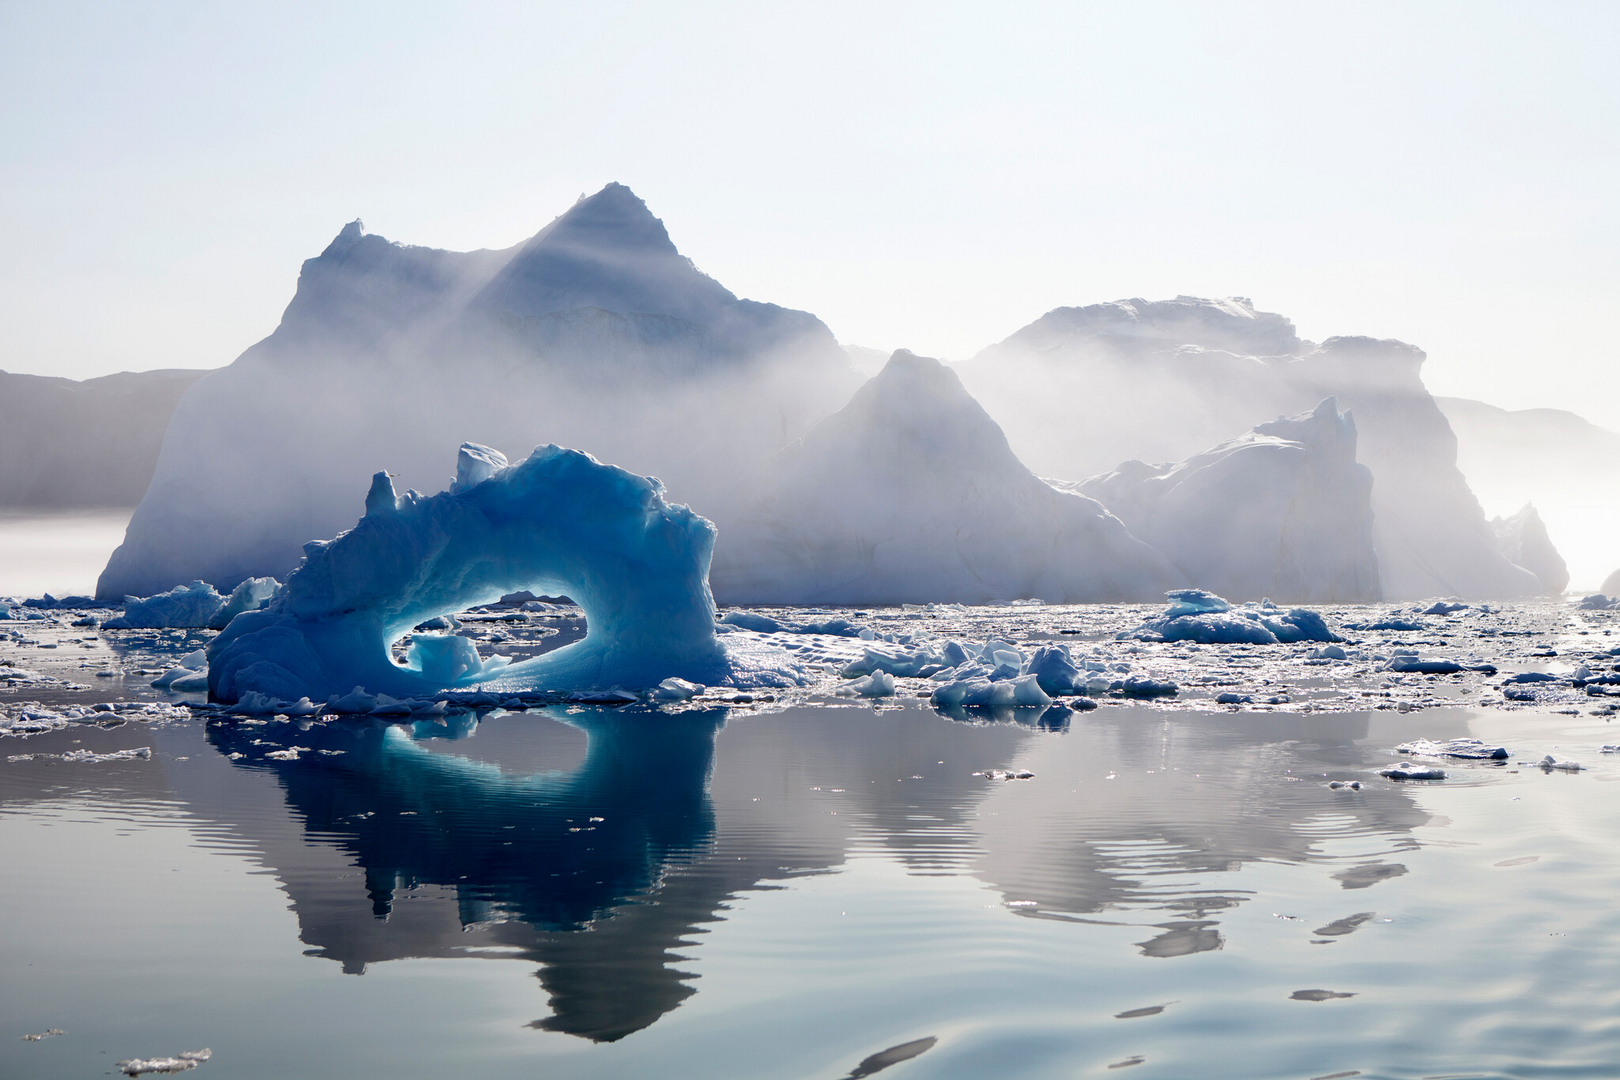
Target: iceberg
(1069,390)
(911,494)
(596,333)
(1281,511)
(559,520)
(1523,538)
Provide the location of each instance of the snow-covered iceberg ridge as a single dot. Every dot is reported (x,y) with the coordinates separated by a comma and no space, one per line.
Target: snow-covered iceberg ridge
(560,521)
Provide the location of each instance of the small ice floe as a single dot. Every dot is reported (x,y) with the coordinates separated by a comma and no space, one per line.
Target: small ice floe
(1610,748)
(1550,763)
(355,701)
(1454,748)
(1351,785)
(1200,616)
(1318,995)
(40,1035)
(1412,770)
(879,684)
(289,754)
(978,692)
(1145,687)
(1006,774)
(254,703)
(613,696)
(1599,602)
(1445,607)
(1229,698)
(1411,664)
(673,689)
(186,1059)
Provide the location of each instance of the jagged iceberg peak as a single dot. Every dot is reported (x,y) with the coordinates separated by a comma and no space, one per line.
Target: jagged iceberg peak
(1523,538)
(911,493)
(608,251)
(1228,324)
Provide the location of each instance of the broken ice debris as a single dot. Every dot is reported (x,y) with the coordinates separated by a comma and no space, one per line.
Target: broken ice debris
(1549,762)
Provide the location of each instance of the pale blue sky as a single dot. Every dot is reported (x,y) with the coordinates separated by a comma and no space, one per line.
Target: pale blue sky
(931,176)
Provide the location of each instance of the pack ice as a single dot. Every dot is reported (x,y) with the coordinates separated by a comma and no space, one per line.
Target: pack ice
(559,522)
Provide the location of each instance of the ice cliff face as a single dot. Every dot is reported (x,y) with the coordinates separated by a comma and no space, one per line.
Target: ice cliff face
(1523,538)
(1283,511)
(1084,388)
(596,334)
(911,493)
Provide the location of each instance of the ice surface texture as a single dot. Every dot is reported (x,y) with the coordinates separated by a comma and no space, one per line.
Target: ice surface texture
(1282,511)
(558,522)
(1196,615)
(910,493)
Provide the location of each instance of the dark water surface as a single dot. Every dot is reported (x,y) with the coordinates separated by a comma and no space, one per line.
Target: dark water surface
(824,892)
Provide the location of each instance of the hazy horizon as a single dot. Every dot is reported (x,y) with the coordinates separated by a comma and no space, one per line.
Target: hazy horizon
(916,179)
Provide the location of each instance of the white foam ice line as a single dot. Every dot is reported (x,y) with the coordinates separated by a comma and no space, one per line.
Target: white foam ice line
(181,1062)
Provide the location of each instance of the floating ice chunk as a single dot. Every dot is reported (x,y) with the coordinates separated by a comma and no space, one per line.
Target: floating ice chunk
(1142,686)
(1530,677)
(190,606)
(90,757)
(1353,785)
(250,595)
(1599,602)
(559,520)
(1006,774)
(1412,665)
(39,1035)
(1194,602)
(1445,607)
(1456,748)
(673,689)
(1329,652)
(287,754)
(1549,762)
(876,685)
(186,1059)
(1412,770)
(254,703)
(355,701)
(1229,698)
(1195,615)
(1055,670)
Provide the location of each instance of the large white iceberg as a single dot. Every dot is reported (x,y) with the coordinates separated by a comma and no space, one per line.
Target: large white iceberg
(910,493)
(559,521)
(1083,388)
(597,333)
(1282,511)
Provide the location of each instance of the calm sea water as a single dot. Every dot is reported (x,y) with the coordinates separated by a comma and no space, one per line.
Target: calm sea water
(824,892)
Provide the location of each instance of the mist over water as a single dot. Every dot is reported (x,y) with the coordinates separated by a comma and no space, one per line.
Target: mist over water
(59,552)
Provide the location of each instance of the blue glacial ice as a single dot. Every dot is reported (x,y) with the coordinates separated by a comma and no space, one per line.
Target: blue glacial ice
(559,521)
(1203,617)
